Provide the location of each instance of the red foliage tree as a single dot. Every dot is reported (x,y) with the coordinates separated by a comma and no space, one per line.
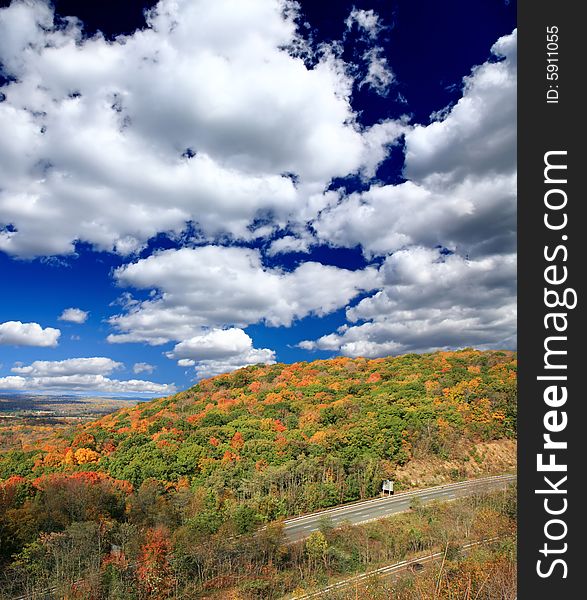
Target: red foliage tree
(154,573)
(237,441)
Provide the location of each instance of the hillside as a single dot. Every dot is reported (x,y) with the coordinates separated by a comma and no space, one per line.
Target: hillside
(246,448)
(307,434)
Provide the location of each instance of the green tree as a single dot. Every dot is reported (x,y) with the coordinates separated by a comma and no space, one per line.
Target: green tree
(316,548)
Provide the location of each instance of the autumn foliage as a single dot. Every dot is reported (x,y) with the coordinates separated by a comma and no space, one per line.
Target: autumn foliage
(149,486)
(155,574)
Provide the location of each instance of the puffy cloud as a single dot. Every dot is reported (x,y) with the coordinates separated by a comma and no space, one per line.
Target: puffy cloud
(429,301)
(74,315)
(379,139)
(218,343)
(186,362)
(424,331)
(219,351)
(85,383)
(473,216)
(142,367)
(97,365)
(417,277)
(16,333)
(93,151)
(78,375)
(477,136)
(209,368)
(354,344)
(12,382)
(461,176)
(289,243)
(459,194)
(215,287)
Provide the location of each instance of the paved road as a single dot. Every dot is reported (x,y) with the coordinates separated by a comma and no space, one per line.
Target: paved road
(299,528)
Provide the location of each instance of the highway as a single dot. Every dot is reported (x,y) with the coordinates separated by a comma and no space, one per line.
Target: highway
(301,527)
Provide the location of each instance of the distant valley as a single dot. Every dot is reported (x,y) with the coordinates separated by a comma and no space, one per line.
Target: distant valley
(25,418)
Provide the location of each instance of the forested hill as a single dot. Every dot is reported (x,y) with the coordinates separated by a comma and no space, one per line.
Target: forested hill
(306,434)
(168,484)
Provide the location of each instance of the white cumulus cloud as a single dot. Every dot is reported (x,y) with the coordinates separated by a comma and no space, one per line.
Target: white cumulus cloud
(186,362)
(97,365)
(461,172)
(220,351)
(216,287)
(78,375)
(477,136)
(448,231)
(74,315)
(16,333)
(431,301)
(218,343)
(93,151)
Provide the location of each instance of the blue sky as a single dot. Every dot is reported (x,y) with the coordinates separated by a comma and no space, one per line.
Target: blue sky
(218,186)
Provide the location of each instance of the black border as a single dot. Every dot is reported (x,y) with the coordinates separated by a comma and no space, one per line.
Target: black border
(543,127)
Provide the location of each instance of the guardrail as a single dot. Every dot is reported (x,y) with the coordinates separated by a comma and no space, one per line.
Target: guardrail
(406,494)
